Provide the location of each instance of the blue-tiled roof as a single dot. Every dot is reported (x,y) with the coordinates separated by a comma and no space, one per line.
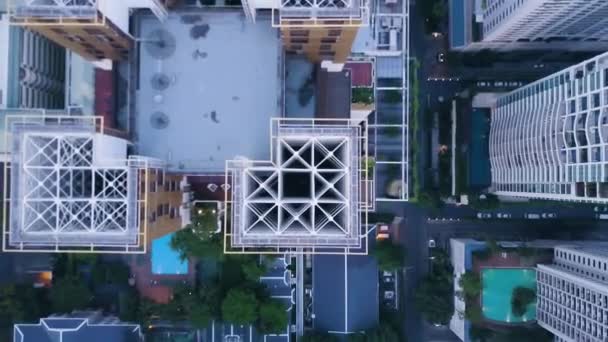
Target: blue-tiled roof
(75,330)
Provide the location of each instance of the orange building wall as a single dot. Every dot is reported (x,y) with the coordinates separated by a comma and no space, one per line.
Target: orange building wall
(320,42)
(163,201)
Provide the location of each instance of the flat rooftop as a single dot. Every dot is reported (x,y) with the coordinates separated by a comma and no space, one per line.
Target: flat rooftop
(209,82)
(307,195)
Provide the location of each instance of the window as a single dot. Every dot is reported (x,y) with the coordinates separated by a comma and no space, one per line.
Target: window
(299,40)
(299,33)
(334,33)
(152,217)
(166,209)
(325,47)
(328,40)
(171,212)
(159,210)
(152,186)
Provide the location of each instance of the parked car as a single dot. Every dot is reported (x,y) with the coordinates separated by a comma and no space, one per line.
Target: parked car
(388,277)
(600,209)
(441,57)
(602,216)
(389,294)
(549,215)
(483,84)
(503,215)
(432,243)
(532,216)
(484,215)
(383,231)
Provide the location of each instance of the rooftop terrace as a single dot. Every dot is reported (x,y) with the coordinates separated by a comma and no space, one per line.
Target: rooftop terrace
(209,82)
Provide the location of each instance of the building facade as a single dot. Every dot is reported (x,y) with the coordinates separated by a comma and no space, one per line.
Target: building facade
(320,30)
(572,294)
(95,29)
(533,24)
(549,139)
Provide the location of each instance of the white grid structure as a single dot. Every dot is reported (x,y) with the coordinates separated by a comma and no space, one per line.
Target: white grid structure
(572,294)
(308,196)
(549,139)
(72,188)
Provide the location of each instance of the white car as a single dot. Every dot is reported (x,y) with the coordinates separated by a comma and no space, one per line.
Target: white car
(484,215)
(432,243)
(549,215)
(600,209)
(532,216)
(503,215)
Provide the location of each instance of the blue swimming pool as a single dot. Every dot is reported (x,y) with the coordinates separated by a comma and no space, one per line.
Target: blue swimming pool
(164,259)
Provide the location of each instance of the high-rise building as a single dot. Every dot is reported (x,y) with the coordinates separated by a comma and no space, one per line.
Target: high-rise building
(322,30)
(537,24)
(549,139)
(32,69)
(74,187)
(572,294)
(95,29)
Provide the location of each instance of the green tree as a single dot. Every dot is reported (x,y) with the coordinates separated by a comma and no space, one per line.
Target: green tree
(68,294)
(200,316)
(520,299)
(471,284)
(389,255)
(252,269)
(273,317)
(434,299)
(191,243)
(240,307)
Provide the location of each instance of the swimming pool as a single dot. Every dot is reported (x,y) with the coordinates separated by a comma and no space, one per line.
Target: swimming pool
(164,259)
(498,285)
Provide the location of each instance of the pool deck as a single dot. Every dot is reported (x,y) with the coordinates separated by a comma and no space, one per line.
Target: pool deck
(157,287)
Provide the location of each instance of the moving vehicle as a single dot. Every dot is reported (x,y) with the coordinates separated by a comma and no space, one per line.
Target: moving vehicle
(484,215)
(532,216)
(549,215)
(503,215)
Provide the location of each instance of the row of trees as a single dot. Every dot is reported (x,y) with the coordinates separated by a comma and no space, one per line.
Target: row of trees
(434,294)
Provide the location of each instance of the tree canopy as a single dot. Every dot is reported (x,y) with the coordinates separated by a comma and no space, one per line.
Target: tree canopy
(389,255)
(520,299)
(470,282)
(68,294)
(273,317)
(434,295)
(240,306)
(200,238)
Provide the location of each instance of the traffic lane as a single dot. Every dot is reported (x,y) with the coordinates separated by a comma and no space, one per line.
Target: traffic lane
(442,231)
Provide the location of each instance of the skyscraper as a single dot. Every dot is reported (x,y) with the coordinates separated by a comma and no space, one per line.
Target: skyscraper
(508,24)
(95,29)
(572,292)
(549,139)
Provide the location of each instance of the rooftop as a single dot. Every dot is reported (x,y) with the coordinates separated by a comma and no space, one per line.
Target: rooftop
(71,185)
(68,329)
(307,195)
(199,99)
